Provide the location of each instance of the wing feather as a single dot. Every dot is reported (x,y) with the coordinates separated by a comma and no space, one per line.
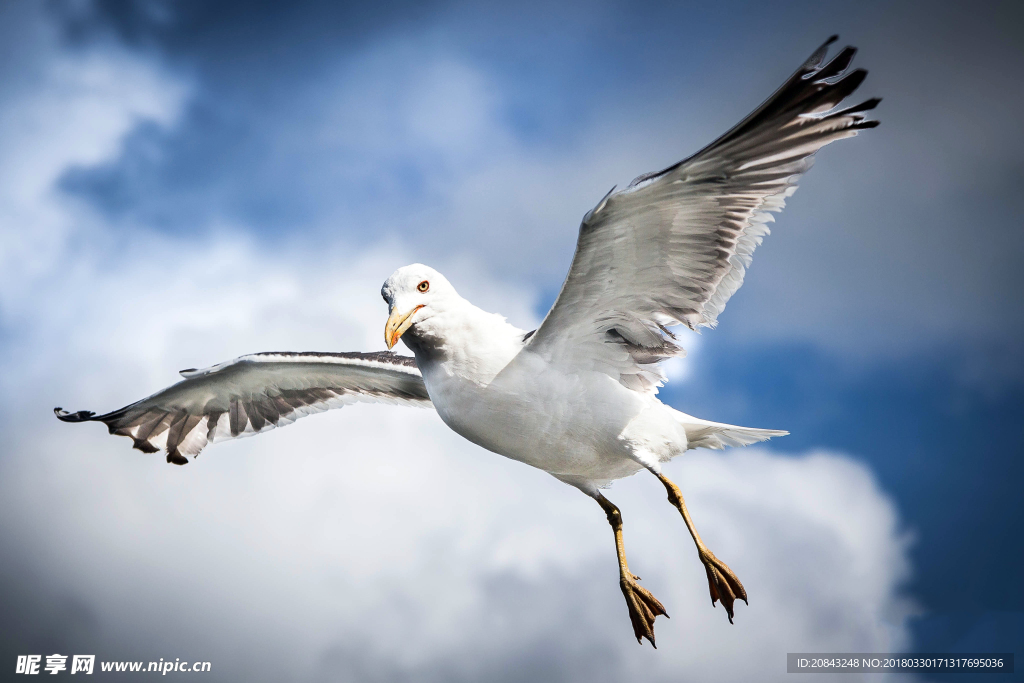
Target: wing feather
(673,246)
(255,393)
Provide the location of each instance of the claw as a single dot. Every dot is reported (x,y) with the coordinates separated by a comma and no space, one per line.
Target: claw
(643,608)
(723,584)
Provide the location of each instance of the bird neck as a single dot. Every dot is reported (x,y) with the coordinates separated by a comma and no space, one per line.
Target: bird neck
(464,341)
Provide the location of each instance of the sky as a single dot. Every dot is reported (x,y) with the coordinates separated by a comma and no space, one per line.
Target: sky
(183,183)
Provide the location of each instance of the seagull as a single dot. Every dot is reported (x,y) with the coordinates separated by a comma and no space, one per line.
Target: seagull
(577,396)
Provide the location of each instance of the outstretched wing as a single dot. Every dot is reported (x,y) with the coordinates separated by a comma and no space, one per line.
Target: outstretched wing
(673,246)
(256,393)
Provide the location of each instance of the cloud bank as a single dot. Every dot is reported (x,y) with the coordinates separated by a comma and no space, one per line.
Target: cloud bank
(370,543)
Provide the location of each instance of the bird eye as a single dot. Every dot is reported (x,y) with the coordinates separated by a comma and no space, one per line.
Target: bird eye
(423,286)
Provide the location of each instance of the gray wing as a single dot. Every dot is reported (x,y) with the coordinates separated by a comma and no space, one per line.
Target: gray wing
(256,393)
(672,248)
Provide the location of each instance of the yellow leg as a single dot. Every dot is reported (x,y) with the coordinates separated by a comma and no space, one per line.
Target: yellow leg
(722,582)
(643,607)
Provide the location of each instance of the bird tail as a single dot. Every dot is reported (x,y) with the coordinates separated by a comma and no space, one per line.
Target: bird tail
(706,434)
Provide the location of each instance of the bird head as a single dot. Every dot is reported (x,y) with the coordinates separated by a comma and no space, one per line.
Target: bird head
(414,294)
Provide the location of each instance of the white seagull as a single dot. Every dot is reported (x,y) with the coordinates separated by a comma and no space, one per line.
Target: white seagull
(575,397)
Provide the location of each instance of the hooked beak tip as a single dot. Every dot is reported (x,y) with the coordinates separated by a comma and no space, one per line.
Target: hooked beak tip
(397,325)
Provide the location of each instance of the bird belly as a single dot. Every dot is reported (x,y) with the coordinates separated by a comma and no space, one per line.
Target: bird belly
(570,425)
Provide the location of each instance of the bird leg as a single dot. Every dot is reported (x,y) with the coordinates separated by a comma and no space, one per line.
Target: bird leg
(722,582)
(643,607)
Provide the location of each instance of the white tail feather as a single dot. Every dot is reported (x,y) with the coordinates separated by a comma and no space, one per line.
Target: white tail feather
(706,434)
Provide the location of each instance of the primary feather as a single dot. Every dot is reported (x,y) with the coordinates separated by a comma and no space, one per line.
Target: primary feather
(673,247)
(256,393)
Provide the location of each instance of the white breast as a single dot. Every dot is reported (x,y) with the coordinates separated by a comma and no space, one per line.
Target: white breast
(488,389)
(563,424)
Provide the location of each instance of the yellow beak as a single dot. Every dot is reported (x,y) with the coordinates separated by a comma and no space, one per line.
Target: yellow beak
(396,326)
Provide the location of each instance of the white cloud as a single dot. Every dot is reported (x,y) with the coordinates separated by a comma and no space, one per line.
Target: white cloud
(77,112)
(374,539)
(860,261)
(371,542)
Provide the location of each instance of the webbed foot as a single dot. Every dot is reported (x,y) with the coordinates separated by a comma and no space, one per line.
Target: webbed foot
(722,582)
(643,608)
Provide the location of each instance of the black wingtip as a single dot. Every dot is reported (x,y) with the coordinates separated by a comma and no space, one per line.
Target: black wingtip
(866,105)
(176,458)
(145,446)
(818,56)
(80,416)
(838,64)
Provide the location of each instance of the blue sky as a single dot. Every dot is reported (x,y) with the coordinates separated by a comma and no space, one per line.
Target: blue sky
(179,175)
